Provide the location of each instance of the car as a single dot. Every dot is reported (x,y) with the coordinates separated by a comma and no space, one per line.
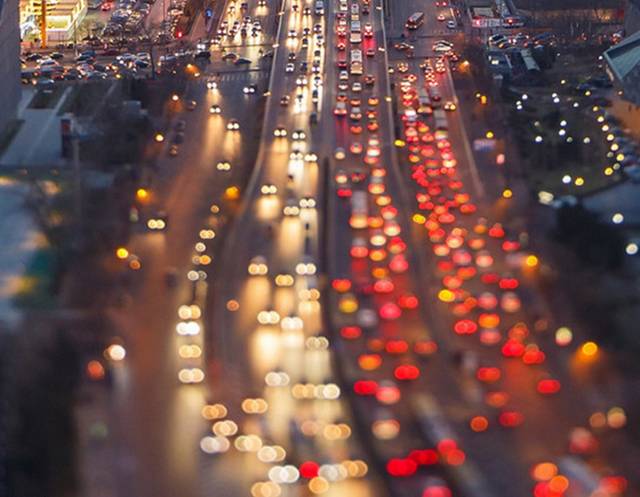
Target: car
(258,266)
(436,487)
(289,67)
(301,80)
(212,84)
(450,106)
(403,46)
(369,80)
(178,138)
(298,135)
(292,33)
(233,125)
(250,89)
(291,208)
(441,48)
(340,109)
(230,56)
(280,132)
(215,109)
(307,203)
(356,148)
(191,104)
(444,42)
(268,189)
(356,87)
(451,24)
(173,150)
(284,101)
(343,76)
(241,61)
(441,17)
(370,52)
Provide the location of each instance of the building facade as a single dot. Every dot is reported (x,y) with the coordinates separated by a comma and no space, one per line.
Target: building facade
(64,17)
(9,61)
(554,13)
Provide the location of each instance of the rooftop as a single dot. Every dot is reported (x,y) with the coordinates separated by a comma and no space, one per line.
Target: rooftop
(624,56)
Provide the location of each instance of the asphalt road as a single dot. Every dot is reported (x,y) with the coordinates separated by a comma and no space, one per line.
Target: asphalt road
(156,420)
(261,331)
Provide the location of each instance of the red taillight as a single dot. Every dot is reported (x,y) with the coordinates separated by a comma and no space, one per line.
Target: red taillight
(365,387)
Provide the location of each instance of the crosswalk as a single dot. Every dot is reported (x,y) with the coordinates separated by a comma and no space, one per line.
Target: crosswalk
(244,76)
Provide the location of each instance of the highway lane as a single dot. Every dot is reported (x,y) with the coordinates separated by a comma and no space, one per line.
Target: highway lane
(156,420)
(460,394)
(253,346)
(545,429)
(376,284)
(152,409)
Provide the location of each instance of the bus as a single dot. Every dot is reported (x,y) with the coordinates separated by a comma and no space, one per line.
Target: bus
(415,20)
(356,62)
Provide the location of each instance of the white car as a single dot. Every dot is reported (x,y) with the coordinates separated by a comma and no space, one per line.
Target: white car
(356,87)
(344,76)
(438,47)
(289,67)
(451,24)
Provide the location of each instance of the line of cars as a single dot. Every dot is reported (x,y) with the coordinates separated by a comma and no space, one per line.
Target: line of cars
(86,66)
(374,297)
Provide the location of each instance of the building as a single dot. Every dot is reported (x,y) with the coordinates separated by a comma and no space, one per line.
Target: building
(63,18)
(555,13)
(632,17)
(623,67)
(9,61)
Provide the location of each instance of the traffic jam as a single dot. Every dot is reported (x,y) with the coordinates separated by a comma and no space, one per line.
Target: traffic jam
(480,272)
(289,428)
(383,340)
